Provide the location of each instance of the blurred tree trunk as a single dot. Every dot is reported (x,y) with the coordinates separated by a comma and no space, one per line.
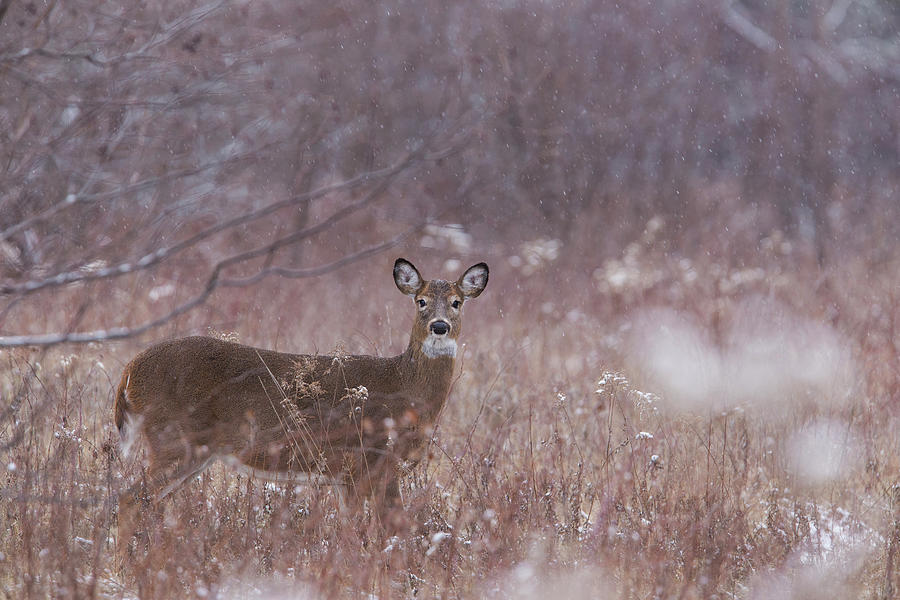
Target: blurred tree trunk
(820,168)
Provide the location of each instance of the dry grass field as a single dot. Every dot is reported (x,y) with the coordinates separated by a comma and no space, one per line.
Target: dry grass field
(651,428)
(682,381)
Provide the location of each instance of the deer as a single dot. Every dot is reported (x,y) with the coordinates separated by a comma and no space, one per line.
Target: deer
(347,421)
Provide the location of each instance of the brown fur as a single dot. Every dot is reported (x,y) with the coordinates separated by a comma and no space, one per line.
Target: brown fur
(198,398)
(236,406)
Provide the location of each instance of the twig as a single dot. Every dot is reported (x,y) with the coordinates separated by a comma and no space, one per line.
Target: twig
(4,6)
(154,258)
(72,199)
(746,28)
(213,282)
(166,34)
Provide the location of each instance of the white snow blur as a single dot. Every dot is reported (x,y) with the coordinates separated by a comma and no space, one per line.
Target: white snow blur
(531,581)
(824,451)
(837,548)
(762,355)
(273,587)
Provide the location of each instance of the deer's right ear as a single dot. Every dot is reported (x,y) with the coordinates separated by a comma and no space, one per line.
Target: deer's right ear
(474,280)
(407,277)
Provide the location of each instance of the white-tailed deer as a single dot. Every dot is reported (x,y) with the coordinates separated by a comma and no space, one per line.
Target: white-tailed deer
(341,419)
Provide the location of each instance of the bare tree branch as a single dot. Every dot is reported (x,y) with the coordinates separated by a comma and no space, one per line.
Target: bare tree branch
(118,333)
(215,280)
(43,52)
(747,29)
(879,56)
(72,199)
(316,271)
(323,269)
(834,60)
(4,6)
(154,258)
(178,26)
(166,33)
(836,14)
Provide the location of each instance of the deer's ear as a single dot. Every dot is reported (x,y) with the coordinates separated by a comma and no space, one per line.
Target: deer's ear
(474,280)
(407,277)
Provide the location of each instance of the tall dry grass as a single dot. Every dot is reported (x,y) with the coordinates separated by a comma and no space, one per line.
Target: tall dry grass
(658,426)
(682,380)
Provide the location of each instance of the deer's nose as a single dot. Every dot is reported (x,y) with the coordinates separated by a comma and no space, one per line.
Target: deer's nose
(440,327)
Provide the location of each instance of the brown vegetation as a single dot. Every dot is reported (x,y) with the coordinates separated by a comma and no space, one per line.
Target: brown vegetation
(682,380)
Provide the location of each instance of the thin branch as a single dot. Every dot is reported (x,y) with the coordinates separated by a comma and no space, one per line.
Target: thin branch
(4,6)
(27,79)
(828,58)
(212,283)
(826,61)
(154,258)
(179,25)
(43,52)
(836,14)
(746,28)
(321,270)
(167,32)
(295,237)
(882,57)
(32,499)
(73,199)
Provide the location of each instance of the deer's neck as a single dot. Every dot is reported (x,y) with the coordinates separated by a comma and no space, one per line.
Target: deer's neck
(429,374)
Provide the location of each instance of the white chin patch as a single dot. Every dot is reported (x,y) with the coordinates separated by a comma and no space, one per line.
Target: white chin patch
(435,345)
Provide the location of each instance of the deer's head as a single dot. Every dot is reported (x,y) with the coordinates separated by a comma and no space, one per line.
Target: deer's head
(438,305)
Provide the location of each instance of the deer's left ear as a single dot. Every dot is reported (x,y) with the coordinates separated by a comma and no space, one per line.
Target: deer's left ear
(474,280)
(407,277)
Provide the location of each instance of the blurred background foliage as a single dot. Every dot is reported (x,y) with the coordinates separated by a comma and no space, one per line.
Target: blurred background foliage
(128,127)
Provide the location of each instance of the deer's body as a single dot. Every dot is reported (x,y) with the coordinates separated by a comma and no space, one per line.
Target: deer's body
(314,413)
(343,419)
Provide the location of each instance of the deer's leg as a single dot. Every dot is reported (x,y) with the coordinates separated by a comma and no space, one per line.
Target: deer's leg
(140,510)
(131,503)
(377,480)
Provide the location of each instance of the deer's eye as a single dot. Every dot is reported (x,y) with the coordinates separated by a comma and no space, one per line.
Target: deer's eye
(421,302)
(455,304)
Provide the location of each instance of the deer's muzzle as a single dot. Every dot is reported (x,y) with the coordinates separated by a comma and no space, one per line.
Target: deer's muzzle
(440,327)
